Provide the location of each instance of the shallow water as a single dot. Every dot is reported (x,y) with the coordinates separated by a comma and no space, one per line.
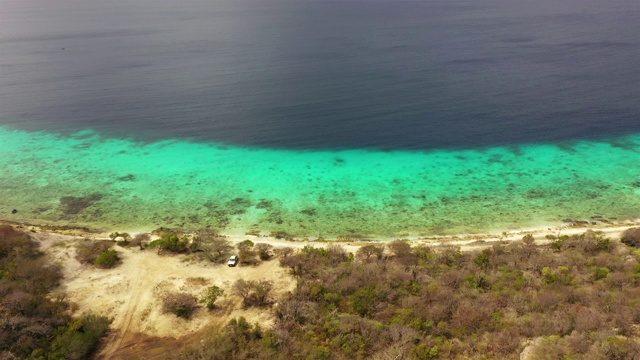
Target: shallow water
(118,183)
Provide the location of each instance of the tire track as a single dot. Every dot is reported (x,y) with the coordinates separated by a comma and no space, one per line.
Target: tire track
(123,330)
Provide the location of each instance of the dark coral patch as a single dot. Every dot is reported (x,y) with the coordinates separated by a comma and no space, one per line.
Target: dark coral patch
(128,177)
(73,205)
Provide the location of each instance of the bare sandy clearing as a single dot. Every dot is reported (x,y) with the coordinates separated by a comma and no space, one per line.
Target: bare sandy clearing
(131,292)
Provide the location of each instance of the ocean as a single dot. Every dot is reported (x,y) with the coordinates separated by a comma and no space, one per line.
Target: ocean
(354,119)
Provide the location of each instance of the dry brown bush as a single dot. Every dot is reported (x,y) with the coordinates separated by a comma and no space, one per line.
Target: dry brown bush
(88,250)
(34,321)
(265,251)
(631,237)
(253,292)
(140,240)
(284,252)
(502,344)
(179,304)
(469,317)
(586,319)
(578,342)
(366,252)
(548,299)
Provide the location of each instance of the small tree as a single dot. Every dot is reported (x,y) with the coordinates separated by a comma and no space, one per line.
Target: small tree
(210,295)
(367,251)
(483,259)
(400,248)
(213,247)
(285,251)
(245,245)
(631,237)
(246,252)
(264,250)
(171,243)
(253,292)
(141,240)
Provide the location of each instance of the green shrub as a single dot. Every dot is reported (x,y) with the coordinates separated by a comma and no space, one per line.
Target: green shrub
(603,244)
(171,243)
(477,281)
(210,295)
(483,259)
(556,245)
(107,259)
(600,273)
(80,338)
(561,275)
(425,352)
(124,235)
(245,245)
(365,300)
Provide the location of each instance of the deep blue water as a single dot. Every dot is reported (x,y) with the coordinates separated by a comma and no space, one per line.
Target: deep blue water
(323,74)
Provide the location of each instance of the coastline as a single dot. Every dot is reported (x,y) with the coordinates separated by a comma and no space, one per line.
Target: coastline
(467,241)
(137,322)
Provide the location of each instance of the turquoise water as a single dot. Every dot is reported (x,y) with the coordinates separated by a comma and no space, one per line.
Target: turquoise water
(109,183)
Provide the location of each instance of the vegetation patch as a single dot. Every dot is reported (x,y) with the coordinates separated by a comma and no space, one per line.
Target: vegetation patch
(573,299)
(35,323)
(78,339)
(171,242)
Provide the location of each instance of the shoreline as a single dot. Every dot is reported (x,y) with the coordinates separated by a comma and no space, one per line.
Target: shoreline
(466,241)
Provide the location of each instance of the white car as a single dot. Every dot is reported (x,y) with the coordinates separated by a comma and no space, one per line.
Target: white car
(233,260)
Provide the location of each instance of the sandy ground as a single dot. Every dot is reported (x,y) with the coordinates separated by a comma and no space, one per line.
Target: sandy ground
(466,242)
(130,293)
